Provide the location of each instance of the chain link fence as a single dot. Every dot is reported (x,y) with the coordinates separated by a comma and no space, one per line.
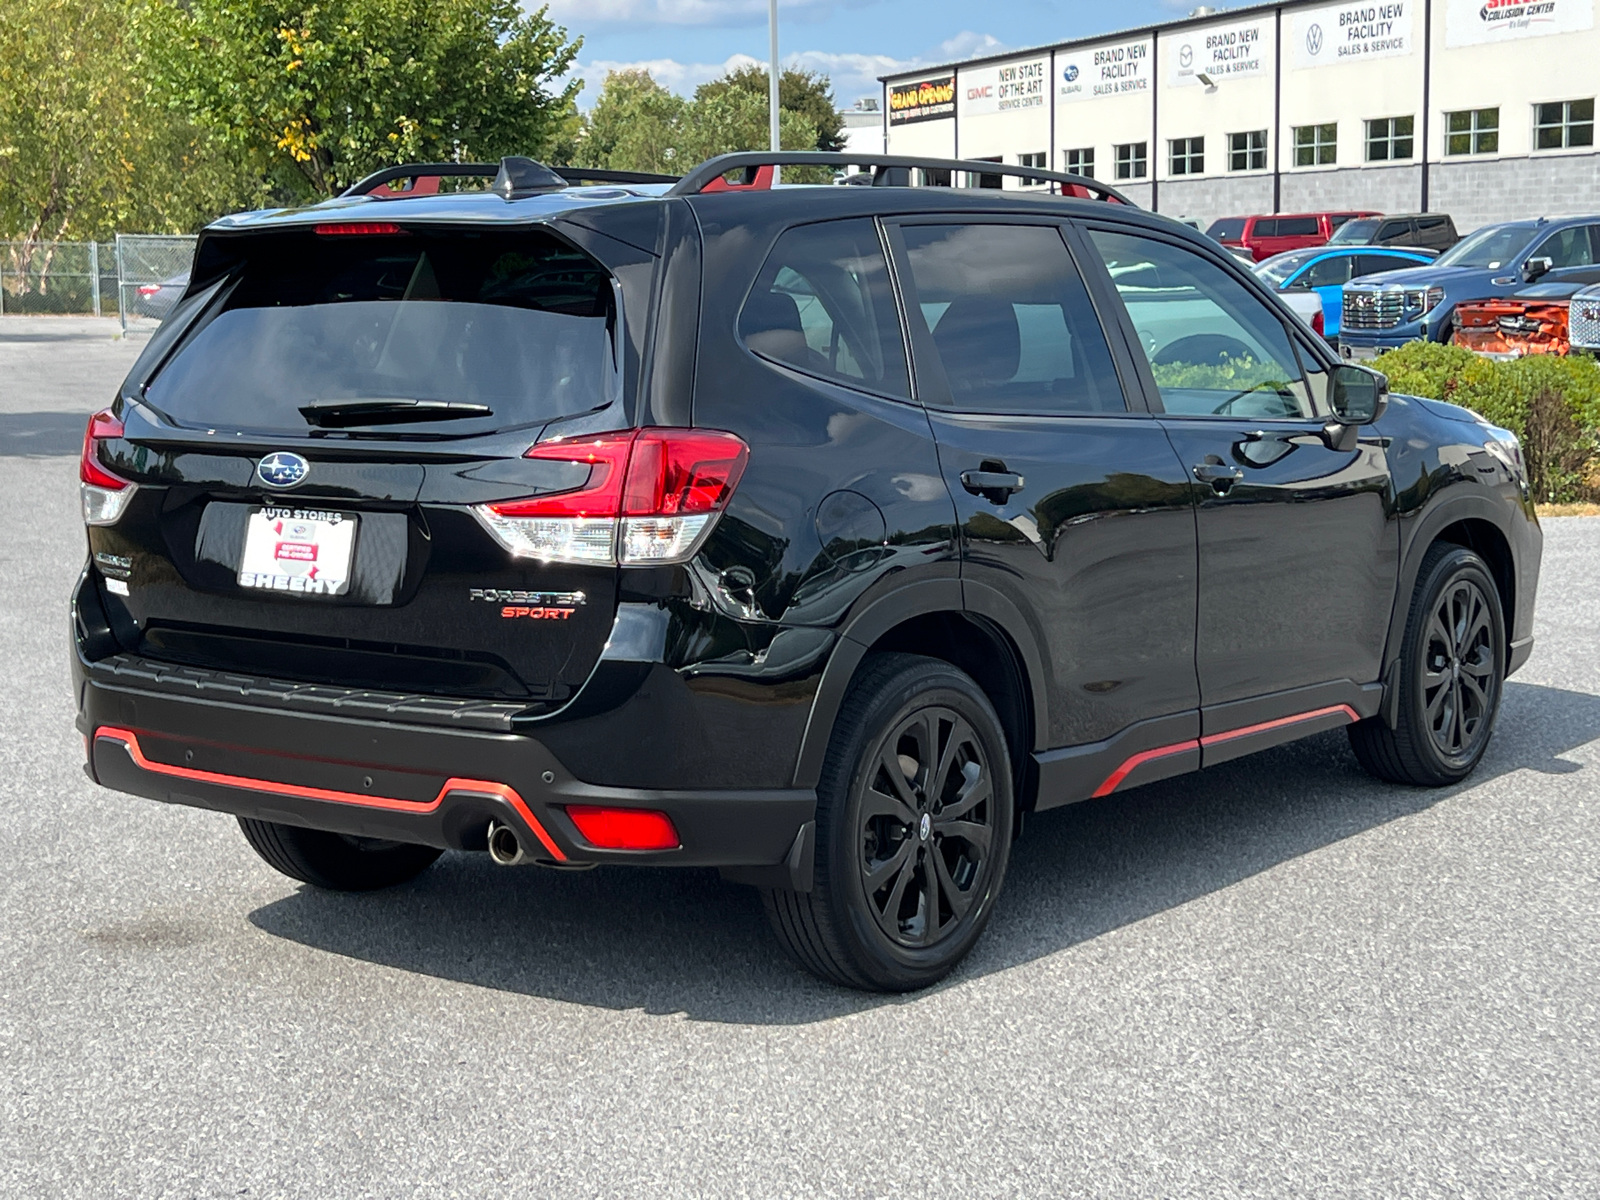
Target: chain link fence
(152,273)
(138,278)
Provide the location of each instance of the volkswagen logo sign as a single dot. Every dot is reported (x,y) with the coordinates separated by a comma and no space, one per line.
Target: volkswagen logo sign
(281,469)
(1314,40)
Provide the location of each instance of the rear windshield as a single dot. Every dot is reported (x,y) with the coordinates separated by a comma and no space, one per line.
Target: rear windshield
(1229,228)
(1355,233)
(361,331)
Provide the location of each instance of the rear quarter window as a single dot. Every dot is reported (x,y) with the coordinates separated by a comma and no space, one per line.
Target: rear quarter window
(823,305)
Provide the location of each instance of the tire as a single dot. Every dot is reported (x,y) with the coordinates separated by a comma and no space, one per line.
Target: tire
(334,861)
(917,778)
(1452,672)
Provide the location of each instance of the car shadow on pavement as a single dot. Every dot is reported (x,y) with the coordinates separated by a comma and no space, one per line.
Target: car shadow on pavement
(666,941)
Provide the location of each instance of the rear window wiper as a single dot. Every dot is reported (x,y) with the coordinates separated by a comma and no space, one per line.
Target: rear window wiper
(342,414)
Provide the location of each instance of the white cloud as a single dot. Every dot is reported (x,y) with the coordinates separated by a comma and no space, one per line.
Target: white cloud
(852,75)
(589,13)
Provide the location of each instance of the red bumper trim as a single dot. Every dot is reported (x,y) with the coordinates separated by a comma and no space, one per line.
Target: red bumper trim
(1114,780)
(129,740)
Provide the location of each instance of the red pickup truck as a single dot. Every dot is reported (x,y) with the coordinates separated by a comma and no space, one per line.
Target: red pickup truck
(1265,236)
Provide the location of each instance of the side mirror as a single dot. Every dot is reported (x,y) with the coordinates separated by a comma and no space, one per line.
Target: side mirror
(1535,267)
(1359,395)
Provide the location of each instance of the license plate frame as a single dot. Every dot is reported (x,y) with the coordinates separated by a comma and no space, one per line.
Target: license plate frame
(1359,353)
(302,552)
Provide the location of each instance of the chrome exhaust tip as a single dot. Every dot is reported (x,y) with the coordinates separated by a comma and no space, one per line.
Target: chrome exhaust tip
(504,845)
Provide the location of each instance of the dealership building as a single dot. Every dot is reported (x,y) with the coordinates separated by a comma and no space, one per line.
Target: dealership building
(1483,109)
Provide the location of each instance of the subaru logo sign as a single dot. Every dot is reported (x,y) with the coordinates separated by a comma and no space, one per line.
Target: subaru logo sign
(1070,72)
(282,469)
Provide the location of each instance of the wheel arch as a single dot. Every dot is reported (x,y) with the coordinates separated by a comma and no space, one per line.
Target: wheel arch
(1474,522)
(933,620)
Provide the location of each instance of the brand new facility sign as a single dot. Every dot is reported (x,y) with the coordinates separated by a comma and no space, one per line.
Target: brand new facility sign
(1219,52)
(1478,22)
(1114,70)
(1341,33)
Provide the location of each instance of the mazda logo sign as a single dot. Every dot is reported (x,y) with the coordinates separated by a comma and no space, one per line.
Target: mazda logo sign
(281,469)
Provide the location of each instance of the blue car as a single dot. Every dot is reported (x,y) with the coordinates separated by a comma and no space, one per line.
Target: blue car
(1498,260)
(1323,272)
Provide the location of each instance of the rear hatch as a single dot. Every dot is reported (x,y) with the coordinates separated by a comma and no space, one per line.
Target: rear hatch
(311,452)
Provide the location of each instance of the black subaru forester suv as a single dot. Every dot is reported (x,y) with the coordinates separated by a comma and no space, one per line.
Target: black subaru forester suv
(813,533)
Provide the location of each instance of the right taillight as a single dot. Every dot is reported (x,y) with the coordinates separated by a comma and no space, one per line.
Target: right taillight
(104,495)
(651,497)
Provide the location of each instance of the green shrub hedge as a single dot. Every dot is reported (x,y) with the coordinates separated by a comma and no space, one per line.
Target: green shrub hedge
(1552,403)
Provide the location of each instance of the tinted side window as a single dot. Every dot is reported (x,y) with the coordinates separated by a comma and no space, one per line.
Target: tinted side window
(822,304)
(1372,264)
(1328,272)
(1297,227)
(1430,224)
(1228,227)
(1567,248)
(1213,347)
(1011,320)
(1263,229)
(1394,231)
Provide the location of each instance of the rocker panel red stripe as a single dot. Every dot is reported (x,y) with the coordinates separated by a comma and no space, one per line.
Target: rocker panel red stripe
(1114,780)
(130,742)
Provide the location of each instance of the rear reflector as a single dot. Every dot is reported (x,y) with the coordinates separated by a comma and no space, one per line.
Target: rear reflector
(332,229)
(651,497)
(104,495)
(624,828)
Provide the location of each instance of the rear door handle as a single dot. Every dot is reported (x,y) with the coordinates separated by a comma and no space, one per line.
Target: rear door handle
(994,486)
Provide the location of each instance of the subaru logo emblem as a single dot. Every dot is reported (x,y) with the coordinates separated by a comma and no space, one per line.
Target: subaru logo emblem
(1070,72)
(281,469)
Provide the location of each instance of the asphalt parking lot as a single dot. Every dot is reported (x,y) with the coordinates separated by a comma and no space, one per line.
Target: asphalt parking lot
(1277,978)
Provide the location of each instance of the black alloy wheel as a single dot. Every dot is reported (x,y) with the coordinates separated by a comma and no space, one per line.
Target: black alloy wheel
(913,830)
(1458,680)
(926,827)
(1451,671)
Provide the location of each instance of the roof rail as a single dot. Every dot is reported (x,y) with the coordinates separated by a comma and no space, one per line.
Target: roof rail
(425,177)
(887,171)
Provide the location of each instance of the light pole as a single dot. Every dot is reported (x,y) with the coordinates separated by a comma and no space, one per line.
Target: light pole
(772,80)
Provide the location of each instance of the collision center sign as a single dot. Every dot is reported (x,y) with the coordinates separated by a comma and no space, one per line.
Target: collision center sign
(925,100)
(1342,33)
(1010,87)
(1219,52)
(1117,70)
(1480,22)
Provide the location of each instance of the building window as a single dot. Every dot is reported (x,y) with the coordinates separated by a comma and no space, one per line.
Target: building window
(1476,131)
(1389,138)
(1187,156)
(1133,160)
(1564,124)
(985,180)
(1315,145)
(1040,160)
(1079,162)
(1247,151)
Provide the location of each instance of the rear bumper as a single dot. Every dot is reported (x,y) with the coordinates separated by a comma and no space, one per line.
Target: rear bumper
(406,782)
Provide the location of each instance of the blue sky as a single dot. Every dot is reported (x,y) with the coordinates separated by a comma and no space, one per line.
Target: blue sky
(684,42)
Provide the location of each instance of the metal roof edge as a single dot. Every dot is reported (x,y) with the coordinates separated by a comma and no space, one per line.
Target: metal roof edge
(1114,35)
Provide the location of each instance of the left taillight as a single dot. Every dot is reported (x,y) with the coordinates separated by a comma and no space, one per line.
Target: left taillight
(651,497)
(1317,326)
(105,496)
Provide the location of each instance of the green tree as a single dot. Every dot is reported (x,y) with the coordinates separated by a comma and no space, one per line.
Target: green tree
(317,93)
(638,125)
(804,93)
(83,151)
